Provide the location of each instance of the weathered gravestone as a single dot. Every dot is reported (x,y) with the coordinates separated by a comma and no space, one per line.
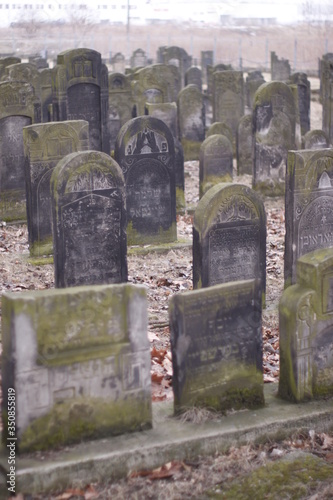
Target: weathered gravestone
(274,125)
(220,128)
(19,107)
(191,120)
(80,82)
(309,206)
(46,95)
(207,59)
(228,98)
(216,345)
(44,145)
(306,326)
(89,220)
(253,81)
(138,58)
(326,80)
(244,146)
(229,237)
(316,139)
(7,61)
(24,72)
(79,363)
(177,56)
(304,99)
(39,61)
(121,104)
(194,76)
(280,68)
(210,74)
(146,154)
(215,162)
(118,63)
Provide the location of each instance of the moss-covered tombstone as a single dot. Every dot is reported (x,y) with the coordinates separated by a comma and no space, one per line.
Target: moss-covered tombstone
(316,139)
(44,145)
(252,82)
(193,76)
(24,72)
(121,104)
(229,237)
(78,362)
(304,99)
(80,92)
(309,206)
(306,330)
(216,345)
(146,154)
(191,120)
(280,68)
(177,56)
(19,107)
(89,220)
(215,162)
(244,146)
(274,134)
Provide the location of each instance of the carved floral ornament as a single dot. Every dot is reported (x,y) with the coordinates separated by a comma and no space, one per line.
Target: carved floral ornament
(236,207)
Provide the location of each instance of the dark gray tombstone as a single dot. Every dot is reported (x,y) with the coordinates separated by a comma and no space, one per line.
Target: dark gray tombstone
(216,345)
(191,120)
(326,80)
(45,145)
(215,162)
(274,126)
(309,206)
(19,107)
(121,104)
(280,68)
(78,362)
(304,99)
(316,139)
(306,326)
(229,237)
(46,95)
(244,146)
(80,82)
(146,154)
(194,76)
(253,81)
(89,220)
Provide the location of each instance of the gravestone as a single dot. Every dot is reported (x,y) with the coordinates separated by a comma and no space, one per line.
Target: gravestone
(228,99)
(191,120)
(19,107)
(326,80)
(80,83)
(118,63)
(146,154)
(46,94)
(316,139)
(220,128)
(253,81)
(280,68)
(309,206)
(207,59)
(121,104)
(7,61)
(229,237)
(216,345)
(79,363)
(194,76)
(24,72)
(244,146)
(304,99)
(215,162)
(177,56)
(45,145)
(306,326)
(138,58)
(89,220)
(39,61)
(210,75)
(274,125)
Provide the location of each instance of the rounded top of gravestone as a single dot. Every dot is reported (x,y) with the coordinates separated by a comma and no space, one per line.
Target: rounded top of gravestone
(220,128)
(316,139)
(66,56)
(228,203)
(216,144)
(245,121)
(274,91)
(118,82)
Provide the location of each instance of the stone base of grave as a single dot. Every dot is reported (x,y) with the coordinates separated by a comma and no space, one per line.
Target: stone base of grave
(168,440)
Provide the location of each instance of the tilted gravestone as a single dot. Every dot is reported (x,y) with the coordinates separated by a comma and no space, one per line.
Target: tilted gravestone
(191,120)
(244,146)
(280,68)
(309,206)
(89,220)
(121,104)
(216,345)
(146,154)
(316,139)
(80,82)
(274,125)
(19,107)
(194,76)
(304,99)
(253,81)
(45,145)
(215,162)
(306,326)
(229,237)
(228,98)
(79,362)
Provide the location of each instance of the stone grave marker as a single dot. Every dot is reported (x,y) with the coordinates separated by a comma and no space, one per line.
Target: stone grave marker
(118,63)
(80,83)
(79,362)
(253,81)
(216,345)
(326,80)
(220,128)
(194,76)
(316,139)
(280,68)
(215,162)
(207,59)
(121,104)
(24,72)
(309,206)
(138,58)
(7,61)
(89,220)
(304,99)
(146,154)
(19,107)
(274,126)
(229,237)
(44,145)
(306,326)
(191,120)
(210,74)
(244,146)
(46,95)
(177,56)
